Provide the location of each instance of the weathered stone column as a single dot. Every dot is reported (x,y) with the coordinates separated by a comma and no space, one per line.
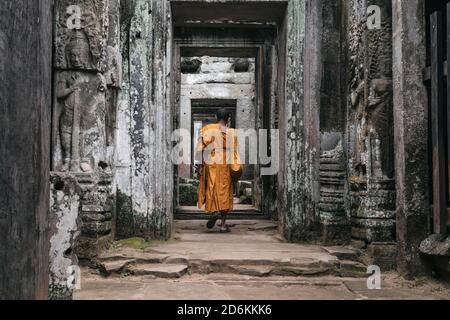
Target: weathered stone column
(161,167)
(25,104)
(145,181)
(411,133)
(370,130)
(294,222)
(325,122)
(312,105)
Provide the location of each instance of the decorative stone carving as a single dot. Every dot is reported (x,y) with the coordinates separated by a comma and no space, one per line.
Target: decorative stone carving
(242,65)
(88,77)
(80,118)
(93,22)
(333,217)
(97,214)
(370,125)
(114,70)
(190,65)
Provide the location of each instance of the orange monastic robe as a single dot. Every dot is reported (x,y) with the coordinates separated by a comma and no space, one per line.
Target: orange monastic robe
(216,184)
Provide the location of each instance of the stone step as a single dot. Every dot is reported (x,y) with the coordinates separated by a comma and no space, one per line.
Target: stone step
(168,270)
(352,269)
(284,271)
(171,271)
(177,266)
(115,266)
(344,253)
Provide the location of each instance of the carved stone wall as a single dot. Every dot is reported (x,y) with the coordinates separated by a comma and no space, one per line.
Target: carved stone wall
(370,124)
(325,109)
(88,77)
(90,21)
(97,208)
(333,215)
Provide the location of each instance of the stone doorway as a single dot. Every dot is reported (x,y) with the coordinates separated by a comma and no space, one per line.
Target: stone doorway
(230,68)
(217,82)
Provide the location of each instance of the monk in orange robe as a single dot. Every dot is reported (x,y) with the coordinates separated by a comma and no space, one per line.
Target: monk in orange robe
(220,167)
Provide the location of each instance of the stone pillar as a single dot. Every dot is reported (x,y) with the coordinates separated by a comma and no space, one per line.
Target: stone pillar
(25,104)
(325,122)
(370,130)
(145,181)
(411,133)
(312,105)
(161,123)
(294,223)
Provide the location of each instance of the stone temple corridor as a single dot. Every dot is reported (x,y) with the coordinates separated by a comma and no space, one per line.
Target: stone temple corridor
(341,108)
(253,262)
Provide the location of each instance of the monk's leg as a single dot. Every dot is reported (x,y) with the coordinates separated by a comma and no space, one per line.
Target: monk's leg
(224,220)
(212,220)
(223,226)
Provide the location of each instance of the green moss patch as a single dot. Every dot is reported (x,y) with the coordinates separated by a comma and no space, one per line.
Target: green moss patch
(135,243)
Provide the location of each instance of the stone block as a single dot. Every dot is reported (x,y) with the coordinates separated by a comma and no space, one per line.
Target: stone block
(373,230)
(89,248)
(335,232)
(65,226)
(383,255)
(344,253)
(218,91)
(436,245)
(352,269)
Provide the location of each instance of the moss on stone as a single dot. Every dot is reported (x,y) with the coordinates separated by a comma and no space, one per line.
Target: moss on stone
(125,221)
(135,243)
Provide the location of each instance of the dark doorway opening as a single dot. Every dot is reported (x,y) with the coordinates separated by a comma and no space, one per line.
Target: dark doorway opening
(436,77)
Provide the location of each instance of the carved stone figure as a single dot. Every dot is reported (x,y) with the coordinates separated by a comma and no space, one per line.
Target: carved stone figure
(81,97)
(92,19)
(82,120)
(78,53)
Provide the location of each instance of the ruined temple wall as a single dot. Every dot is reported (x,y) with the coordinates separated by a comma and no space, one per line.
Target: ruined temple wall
(87,73)
(370,128)
(111,127)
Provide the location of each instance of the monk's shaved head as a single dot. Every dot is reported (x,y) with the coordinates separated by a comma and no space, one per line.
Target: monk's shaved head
(223,115)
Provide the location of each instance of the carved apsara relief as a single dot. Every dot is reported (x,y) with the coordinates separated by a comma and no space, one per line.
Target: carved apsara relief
(82,135)
(91,20)
(370,123)
(80,109)
(370,96)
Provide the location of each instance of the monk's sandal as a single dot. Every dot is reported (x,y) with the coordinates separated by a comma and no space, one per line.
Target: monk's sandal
(212,221)
(225,230)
